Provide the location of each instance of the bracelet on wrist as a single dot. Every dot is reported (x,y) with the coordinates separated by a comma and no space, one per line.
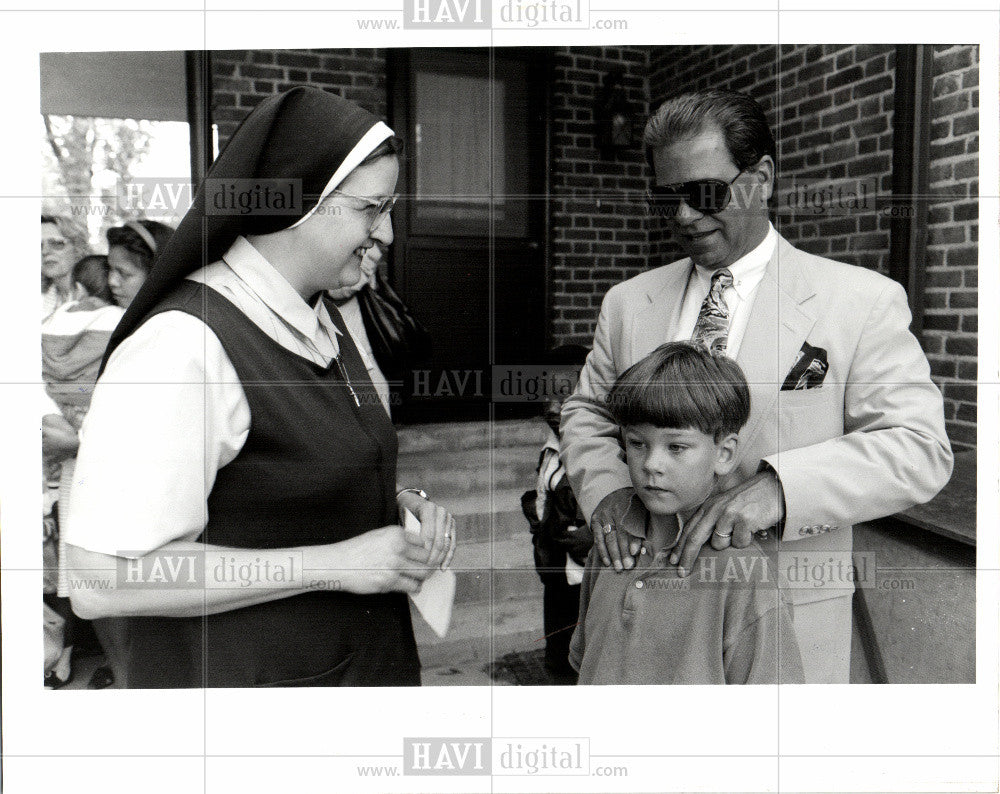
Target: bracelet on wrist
(417,491)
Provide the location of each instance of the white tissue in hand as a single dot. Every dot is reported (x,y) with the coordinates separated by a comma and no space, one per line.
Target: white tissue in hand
(437,594)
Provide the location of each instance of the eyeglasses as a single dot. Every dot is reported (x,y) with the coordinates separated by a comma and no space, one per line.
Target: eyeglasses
(54,244)
(709,196)
(382,206)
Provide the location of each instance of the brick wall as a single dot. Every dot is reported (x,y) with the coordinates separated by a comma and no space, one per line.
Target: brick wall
(599,229)
(242,78)
(950,320)
(835,150)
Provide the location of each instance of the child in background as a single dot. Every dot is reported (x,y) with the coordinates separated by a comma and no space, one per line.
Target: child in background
(73,341)
(560,535)
(680,410)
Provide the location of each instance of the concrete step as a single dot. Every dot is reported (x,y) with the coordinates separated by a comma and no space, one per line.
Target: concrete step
(451,436)
(483,527)
(452,474)
(481,632)
(496,587)
(495,572)
(512,554)
(498,500)
(478,470)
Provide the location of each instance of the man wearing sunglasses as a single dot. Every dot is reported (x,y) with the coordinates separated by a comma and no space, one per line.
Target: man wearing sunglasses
(845,425)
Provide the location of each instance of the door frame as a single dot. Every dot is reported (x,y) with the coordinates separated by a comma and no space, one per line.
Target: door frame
(399,104)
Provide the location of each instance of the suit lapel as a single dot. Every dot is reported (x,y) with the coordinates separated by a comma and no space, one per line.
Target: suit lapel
(656,322)
(781,313)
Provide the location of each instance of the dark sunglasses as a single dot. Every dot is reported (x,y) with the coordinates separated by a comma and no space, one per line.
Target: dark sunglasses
(708,196)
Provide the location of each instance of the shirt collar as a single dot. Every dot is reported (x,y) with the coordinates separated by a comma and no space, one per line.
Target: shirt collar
(748,270)
(634,521)
(274,291)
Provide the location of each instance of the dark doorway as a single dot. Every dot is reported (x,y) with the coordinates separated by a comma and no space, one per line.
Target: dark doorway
(470,226)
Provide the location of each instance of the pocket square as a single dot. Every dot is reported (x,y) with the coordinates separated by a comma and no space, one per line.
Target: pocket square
(808,371)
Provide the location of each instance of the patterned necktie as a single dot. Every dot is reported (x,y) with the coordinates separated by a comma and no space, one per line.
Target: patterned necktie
(712,328)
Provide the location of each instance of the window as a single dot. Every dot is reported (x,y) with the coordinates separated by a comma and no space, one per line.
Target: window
(105,171)
(115,149)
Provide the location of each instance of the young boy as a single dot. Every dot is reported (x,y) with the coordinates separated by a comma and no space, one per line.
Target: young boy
(680,410)
(559,532)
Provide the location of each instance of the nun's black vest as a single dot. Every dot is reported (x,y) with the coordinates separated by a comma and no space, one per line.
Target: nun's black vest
(315,468)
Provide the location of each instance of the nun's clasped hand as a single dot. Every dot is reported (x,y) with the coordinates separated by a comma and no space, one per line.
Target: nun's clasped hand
(437,528)
(384,560)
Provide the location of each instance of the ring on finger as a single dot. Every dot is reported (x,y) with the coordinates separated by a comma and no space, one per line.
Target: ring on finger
(723,534)
(607,529)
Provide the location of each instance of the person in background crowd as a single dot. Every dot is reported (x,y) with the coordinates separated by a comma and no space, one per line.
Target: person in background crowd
(64,242)
(132,248)
(74,337)
(559,533)
(90,275)
(346,300)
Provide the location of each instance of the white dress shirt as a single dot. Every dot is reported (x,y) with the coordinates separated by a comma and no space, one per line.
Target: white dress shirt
(747,272)
(169,412)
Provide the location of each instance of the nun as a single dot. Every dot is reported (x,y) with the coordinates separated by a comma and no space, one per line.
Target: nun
(236,484)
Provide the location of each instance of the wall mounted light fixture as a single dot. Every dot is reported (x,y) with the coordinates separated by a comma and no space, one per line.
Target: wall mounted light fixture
(614,115)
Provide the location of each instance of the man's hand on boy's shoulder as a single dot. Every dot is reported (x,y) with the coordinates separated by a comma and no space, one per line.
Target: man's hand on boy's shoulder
(615,547)
(731,518)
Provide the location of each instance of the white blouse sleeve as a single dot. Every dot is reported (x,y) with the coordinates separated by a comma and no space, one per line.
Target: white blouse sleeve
(167,414)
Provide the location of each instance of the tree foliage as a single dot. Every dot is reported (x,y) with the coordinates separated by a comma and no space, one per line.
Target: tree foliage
(84,161)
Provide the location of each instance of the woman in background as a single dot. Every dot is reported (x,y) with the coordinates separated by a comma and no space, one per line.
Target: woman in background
(346,301)
(64,242)
(132,248)
(74,337)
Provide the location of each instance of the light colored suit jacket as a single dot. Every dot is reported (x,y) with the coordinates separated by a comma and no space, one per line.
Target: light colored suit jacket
(867,443)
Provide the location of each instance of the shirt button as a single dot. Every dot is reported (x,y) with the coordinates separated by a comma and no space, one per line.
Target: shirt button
(639,584)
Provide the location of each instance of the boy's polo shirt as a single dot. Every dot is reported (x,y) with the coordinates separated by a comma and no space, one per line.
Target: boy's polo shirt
(726,623)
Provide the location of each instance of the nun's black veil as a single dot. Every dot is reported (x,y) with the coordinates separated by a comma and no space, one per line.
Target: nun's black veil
(302,134)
